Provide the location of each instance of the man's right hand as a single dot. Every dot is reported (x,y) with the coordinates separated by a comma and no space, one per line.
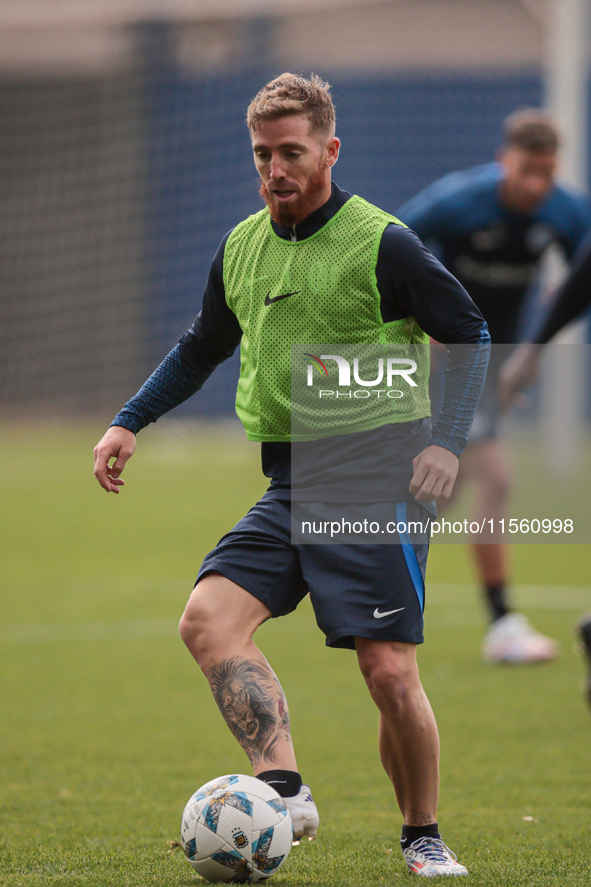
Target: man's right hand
(118,444)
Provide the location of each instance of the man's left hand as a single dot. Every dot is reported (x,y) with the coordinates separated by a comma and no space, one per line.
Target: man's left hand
(435,471)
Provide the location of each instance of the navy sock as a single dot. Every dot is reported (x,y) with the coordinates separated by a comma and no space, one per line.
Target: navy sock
(286,783)
(412,833)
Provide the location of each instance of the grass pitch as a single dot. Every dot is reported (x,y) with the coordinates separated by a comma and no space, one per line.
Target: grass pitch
(107,727)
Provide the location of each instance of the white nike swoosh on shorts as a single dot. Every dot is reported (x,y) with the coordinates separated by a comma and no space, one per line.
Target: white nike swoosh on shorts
(378,615)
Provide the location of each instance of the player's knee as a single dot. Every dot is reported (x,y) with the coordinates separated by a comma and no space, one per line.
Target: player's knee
(499,485)
(389,681)
(390,677)
(219,619)
(494,475)
(198,628)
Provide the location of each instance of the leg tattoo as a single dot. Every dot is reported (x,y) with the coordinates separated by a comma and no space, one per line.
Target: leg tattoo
(253,705)
(420,817)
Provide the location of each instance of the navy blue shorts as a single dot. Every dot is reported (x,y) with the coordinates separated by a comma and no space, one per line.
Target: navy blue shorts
(357,590)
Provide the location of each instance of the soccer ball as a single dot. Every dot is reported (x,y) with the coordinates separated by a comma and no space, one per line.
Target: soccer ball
(236,828)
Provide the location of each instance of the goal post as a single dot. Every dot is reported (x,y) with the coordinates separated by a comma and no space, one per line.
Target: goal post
(568,34)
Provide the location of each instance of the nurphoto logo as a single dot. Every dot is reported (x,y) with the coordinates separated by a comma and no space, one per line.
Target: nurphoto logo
(388,370)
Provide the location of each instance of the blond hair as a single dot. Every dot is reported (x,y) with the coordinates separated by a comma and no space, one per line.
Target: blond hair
(290,94)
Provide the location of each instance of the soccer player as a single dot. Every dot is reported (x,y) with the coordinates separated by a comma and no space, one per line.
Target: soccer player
(491,226)
(266,291)
(571,301)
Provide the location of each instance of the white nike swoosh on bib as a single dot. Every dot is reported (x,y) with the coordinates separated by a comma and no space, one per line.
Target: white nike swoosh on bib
(378,615)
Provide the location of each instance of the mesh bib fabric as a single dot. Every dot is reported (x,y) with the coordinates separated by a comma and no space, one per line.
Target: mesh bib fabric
(321,289)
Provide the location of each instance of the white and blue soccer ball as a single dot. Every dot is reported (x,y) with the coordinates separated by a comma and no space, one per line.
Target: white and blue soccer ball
(236,829)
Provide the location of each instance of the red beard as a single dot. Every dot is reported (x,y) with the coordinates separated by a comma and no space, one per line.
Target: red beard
(288,216)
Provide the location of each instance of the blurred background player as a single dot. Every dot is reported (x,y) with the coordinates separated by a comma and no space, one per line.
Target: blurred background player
(491,226)
(572,300)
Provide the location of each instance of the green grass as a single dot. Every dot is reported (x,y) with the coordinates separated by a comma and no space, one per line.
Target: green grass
(106,726)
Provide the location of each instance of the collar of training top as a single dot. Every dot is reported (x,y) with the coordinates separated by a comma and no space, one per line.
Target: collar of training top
(316,220)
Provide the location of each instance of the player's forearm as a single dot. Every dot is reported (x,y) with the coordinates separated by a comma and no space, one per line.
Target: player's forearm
(573,298)
(559,317)
(171,383)
(464,380)
(211,339)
